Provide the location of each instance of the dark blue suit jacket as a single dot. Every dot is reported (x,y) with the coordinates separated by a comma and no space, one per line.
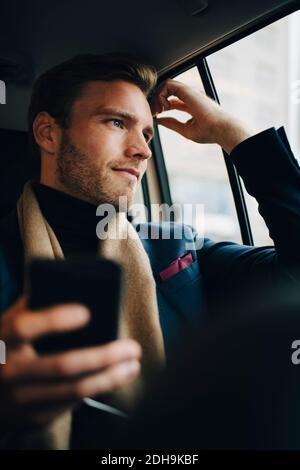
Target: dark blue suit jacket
(224,277)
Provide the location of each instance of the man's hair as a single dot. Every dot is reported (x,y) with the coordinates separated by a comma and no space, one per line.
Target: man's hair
(56,90)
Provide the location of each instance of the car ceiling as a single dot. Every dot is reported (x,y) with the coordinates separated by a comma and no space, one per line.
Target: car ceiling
(35,35)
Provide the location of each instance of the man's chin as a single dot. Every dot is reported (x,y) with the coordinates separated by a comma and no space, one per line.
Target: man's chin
(123,201)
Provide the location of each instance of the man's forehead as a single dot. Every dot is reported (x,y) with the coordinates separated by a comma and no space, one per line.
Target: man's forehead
(121,95)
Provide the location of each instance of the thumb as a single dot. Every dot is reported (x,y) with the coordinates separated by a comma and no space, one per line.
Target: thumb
(20,304)
(173,124)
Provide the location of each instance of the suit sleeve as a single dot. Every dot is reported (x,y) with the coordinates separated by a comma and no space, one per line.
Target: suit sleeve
(272,175)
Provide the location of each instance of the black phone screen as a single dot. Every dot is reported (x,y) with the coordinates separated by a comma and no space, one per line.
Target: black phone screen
(95,283)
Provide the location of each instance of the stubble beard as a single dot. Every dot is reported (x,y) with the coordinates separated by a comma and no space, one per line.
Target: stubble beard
(81,177)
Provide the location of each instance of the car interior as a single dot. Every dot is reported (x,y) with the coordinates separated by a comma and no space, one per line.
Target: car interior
(244,55)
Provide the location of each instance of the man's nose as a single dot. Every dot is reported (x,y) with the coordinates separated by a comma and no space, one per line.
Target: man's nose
(138,148)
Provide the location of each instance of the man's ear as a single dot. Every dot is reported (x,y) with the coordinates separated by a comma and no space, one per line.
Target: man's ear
(46,132)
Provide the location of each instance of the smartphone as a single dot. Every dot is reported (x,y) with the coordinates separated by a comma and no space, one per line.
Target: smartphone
(96,283)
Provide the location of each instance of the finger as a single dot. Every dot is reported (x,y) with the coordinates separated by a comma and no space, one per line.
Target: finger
(175,103)
(38,419)
(26,325)
(156,107)
(39,415)
(36,416)
(20,304)
(110,379)
(165,106)
(160,103)
(72,363)
(173,124)
(170,88)
(170,104)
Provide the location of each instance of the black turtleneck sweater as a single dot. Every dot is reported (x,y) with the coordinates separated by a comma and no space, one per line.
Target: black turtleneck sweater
(72,220)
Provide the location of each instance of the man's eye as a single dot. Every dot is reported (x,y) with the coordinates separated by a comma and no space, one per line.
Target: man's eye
(117,122)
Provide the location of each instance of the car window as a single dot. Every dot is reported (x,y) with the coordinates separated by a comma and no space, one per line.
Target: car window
(197,175)
(257,80)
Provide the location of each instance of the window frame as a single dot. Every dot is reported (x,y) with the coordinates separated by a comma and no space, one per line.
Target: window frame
(200,63)
(234,179)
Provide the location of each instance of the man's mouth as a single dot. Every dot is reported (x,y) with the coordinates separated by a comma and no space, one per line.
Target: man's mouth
(131,173)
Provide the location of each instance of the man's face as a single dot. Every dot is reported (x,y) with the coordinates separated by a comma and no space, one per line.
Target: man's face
(110,129)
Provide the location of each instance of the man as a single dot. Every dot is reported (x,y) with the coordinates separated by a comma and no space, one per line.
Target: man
(92,123)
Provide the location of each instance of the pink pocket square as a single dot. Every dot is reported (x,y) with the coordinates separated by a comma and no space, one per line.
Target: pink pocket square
(178,265)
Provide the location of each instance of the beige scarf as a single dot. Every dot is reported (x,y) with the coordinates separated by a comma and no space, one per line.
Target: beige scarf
(139,317)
